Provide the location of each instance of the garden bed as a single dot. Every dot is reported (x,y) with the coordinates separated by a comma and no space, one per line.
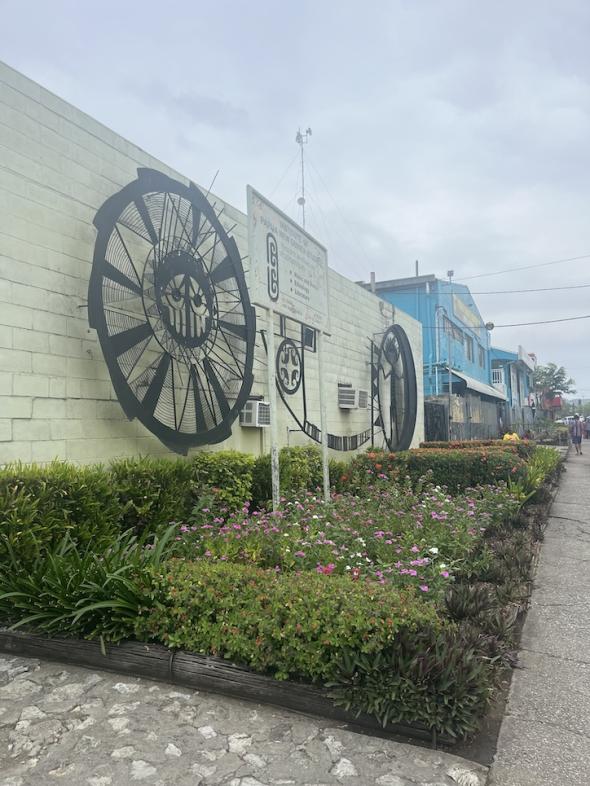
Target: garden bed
(397,604)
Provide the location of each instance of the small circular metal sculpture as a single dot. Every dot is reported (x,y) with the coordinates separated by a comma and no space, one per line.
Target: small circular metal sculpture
(169,302)
(289,367)
(396,389)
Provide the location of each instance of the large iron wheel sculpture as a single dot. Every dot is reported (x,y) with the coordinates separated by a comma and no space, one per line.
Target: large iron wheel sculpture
(169,302)
(395,383)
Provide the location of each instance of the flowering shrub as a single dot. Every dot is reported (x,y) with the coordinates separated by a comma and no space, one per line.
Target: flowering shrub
(392,535)
(523,447)
(288,625)
(456,469)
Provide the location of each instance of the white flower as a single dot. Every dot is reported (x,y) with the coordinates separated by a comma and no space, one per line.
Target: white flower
(433,550)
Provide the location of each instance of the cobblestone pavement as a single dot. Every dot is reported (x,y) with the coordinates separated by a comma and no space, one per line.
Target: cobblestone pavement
(66,725)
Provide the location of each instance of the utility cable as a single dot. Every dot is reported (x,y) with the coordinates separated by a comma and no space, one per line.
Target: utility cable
(284,175)
(493,292)
(525,267)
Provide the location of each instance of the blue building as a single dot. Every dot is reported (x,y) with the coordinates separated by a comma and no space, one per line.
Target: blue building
(455,339)
(512,375)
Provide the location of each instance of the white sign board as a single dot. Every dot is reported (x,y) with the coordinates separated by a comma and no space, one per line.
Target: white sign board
(289,269)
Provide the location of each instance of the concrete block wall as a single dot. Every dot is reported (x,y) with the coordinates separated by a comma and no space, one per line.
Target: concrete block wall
(57,166)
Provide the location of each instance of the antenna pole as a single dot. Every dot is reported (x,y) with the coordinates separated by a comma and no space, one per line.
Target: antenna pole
(302,139)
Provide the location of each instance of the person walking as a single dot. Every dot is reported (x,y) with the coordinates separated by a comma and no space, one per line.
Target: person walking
(576,432)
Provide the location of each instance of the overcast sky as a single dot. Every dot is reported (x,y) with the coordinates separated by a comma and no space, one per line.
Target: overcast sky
(455,132)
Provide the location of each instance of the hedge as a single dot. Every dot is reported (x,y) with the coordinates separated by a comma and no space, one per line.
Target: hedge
(380,650)
(154,492)
(457,469)
(290,625)
(39,505)
(523,447)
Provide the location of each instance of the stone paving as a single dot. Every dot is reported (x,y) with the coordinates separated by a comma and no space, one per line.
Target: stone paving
(73,726)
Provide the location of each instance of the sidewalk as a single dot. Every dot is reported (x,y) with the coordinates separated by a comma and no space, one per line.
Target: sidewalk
(545,735)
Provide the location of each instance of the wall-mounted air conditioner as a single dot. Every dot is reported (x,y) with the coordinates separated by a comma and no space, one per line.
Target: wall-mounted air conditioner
(362,399)
(346,396)
(256,414)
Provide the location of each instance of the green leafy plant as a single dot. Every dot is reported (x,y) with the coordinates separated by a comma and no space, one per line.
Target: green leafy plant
(466,601)
(39,505)
(71,590)
(456,469)
(289,625)
(434,678)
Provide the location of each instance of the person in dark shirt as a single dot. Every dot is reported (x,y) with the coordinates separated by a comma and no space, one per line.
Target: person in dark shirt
(576,432)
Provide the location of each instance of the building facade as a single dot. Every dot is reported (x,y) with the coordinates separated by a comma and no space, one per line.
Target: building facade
(512,375)
(60,173)
(456,344)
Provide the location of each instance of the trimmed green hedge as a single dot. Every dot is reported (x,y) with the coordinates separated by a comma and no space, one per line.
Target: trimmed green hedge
(379,650)
(39,505)
(289,625)
(455,469)
(301,470)
(154,492)
(523,447)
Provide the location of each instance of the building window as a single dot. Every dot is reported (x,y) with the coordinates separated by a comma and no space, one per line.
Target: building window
(469,348)
(497,376)
(308,337)
(282,326)
(482,357)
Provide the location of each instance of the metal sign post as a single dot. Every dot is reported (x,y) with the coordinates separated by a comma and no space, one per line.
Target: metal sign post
(272,398)
(323,417)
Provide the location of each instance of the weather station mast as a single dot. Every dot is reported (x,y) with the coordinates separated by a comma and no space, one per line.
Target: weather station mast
(302,139)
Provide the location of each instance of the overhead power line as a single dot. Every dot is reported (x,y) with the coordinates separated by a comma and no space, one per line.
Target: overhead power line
(495,292)
(544,322)
(514,324)
(525,267)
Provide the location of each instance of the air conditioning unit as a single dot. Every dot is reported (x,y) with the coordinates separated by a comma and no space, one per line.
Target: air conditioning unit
(256,414)
(346,397)
(362,399)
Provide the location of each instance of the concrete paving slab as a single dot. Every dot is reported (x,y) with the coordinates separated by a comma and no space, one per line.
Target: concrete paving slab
(535,753)
(542,684)
(558,629)
(558,548)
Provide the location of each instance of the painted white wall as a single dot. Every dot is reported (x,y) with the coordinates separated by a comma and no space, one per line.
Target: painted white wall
(57,166)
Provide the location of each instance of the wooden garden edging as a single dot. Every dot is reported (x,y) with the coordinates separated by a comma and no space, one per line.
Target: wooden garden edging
(204,673)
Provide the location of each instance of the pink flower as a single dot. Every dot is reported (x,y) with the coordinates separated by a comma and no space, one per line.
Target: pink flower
(415,549)
(444,574)
(299,554)
(424,587)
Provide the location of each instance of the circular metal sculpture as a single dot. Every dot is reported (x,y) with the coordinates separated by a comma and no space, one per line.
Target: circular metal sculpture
(396,389)
(289,367)
(169,302)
